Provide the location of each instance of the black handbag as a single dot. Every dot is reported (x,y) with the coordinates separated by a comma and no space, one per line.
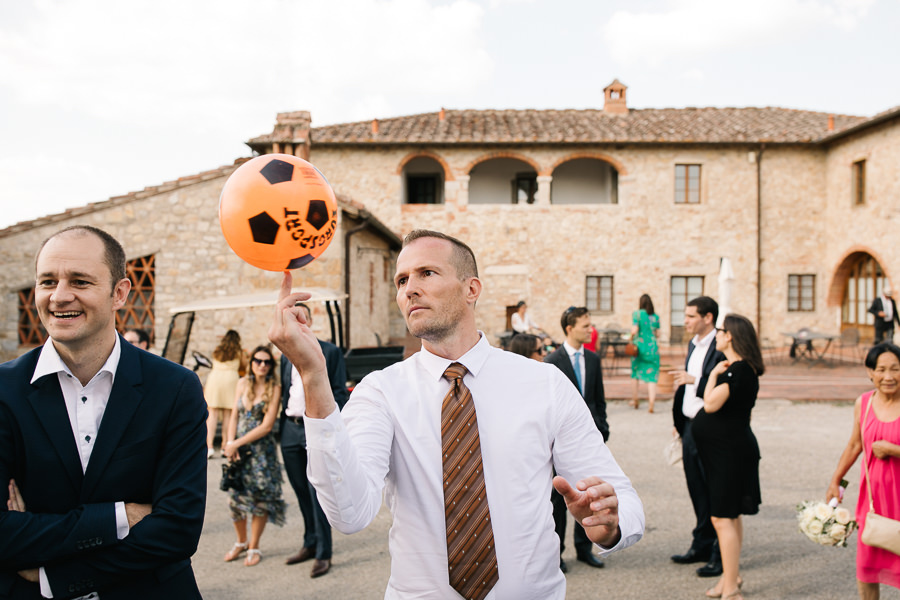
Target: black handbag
(233,472)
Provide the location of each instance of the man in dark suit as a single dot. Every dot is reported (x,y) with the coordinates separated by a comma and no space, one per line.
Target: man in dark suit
(885,310)
(317,534)
(102,458)
(582,367)
(700,316)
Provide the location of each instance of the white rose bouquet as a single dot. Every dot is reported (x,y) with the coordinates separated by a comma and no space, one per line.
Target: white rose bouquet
(825,524)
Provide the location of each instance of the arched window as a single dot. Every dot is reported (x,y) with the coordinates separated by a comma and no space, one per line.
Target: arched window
(864,282)
(502,181)
(585,181)
(423,178)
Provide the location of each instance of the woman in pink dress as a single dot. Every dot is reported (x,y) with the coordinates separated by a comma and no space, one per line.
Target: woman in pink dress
(878,440)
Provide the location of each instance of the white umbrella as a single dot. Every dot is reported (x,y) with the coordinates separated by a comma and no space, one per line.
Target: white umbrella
(726,280)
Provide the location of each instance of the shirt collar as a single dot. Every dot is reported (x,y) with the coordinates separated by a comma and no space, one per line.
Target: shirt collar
(571,351)
(49,362)
(473,360)
(707,339)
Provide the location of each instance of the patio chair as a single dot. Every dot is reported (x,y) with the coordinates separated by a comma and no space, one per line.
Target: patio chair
(850,339)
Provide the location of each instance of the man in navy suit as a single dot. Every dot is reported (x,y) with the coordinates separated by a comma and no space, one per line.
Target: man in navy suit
(885,311)
(102,445)
(317,534)
(576,324)
(700,316)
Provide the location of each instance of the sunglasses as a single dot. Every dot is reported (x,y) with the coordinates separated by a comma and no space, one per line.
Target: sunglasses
(263,361)
(539,350)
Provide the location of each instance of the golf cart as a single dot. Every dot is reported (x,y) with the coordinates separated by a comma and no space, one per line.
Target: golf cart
(360,361)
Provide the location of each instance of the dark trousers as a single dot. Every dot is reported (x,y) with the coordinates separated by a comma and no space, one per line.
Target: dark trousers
(884,333)
(317,529)
(583,544)
(704,533)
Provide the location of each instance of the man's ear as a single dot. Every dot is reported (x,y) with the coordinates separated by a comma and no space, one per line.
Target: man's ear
(120,293)
(473,290)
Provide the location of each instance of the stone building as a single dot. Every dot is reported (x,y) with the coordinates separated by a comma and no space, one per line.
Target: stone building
(177,256)
(562,207)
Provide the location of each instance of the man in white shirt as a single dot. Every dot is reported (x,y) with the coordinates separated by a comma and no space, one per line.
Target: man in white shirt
(101,444)
(885,311)
(700,316)
(388,438)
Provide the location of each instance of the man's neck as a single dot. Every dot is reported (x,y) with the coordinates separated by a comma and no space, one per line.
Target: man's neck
(85,360)
(452,349)
(702,334)
(575,344)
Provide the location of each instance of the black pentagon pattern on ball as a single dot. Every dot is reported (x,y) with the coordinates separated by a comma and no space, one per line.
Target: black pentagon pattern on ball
(317,214)
(300,261)
(263,228)
(277,171)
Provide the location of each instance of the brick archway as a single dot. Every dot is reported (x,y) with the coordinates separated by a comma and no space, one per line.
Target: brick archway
(502,154)
(448,172)
(617,165)
(842,273)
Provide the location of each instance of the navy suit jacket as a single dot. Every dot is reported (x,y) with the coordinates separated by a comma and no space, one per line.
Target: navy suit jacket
(593,383)
(713,357)
(150,448)
(337,375)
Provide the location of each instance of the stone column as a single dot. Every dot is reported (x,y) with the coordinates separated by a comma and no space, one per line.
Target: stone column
(542,197)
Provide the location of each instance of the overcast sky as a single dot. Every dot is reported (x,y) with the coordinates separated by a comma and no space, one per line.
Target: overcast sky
(99,98)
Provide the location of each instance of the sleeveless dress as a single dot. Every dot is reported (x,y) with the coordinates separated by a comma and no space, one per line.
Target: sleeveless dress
(728,448)
(645,366)
(221,383)
(261,473)
(874,565)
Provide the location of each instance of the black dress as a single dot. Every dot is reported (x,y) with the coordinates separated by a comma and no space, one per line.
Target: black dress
(727,447)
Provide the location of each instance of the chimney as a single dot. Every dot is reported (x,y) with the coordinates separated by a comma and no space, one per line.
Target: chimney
(614,98)
(291,134)
(374,126)
(442,115)
(830,122)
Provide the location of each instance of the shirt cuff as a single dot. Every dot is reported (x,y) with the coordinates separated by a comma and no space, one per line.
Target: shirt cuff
(46,592)
(122,528)
(321,433)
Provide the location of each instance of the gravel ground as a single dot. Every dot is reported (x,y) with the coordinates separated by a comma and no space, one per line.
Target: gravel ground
(800,444)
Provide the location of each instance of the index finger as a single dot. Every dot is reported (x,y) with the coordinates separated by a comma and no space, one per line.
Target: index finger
(286,298)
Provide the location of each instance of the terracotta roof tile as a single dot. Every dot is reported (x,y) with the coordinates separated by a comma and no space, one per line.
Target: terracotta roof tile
(667,125)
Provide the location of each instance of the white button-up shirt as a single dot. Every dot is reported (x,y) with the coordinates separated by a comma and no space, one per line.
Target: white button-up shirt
(692,403)
(388,438)
(85,405)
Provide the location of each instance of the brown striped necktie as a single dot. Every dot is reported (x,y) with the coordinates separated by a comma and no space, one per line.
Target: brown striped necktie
(471,557)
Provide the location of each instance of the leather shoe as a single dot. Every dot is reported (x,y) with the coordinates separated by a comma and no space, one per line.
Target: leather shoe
(691,556)
(320,567)
(710,569)
(303,555)
(562,566)
(591,560)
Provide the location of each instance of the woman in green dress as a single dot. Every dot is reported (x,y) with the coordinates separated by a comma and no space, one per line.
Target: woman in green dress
(645,366)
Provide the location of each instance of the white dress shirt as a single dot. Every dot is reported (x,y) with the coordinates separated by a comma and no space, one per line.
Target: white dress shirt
(388,438)
(296,396)
(692,403)
(571,352)
(85,405)
(522,325)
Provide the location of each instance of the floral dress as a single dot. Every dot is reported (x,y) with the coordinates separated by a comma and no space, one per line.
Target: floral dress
(645,366)
(261,472)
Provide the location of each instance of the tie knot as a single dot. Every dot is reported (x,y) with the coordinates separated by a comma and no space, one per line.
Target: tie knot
(455,371)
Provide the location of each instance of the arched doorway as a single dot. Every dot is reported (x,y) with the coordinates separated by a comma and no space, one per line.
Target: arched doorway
(864,281)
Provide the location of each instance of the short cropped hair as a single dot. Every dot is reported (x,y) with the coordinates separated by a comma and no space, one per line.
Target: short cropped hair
(705,305)
(571,316)
(113,253)
(143,336)
(463,258)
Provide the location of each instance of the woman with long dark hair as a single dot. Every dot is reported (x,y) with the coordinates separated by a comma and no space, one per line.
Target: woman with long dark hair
(727,446)
(645,366)
(256,406)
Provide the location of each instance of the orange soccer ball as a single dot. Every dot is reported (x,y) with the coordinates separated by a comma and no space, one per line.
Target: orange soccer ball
(277,212)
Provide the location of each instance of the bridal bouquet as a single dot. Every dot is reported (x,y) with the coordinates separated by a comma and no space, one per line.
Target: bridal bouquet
(825,524)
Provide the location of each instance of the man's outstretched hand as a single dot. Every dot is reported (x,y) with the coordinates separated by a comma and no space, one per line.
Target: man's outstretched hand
(594,503)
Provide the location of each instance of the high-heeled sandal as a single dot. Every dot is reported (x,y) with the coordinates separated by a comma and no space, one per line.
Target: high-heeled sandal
(236,550)
(253,557)
(711,594)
